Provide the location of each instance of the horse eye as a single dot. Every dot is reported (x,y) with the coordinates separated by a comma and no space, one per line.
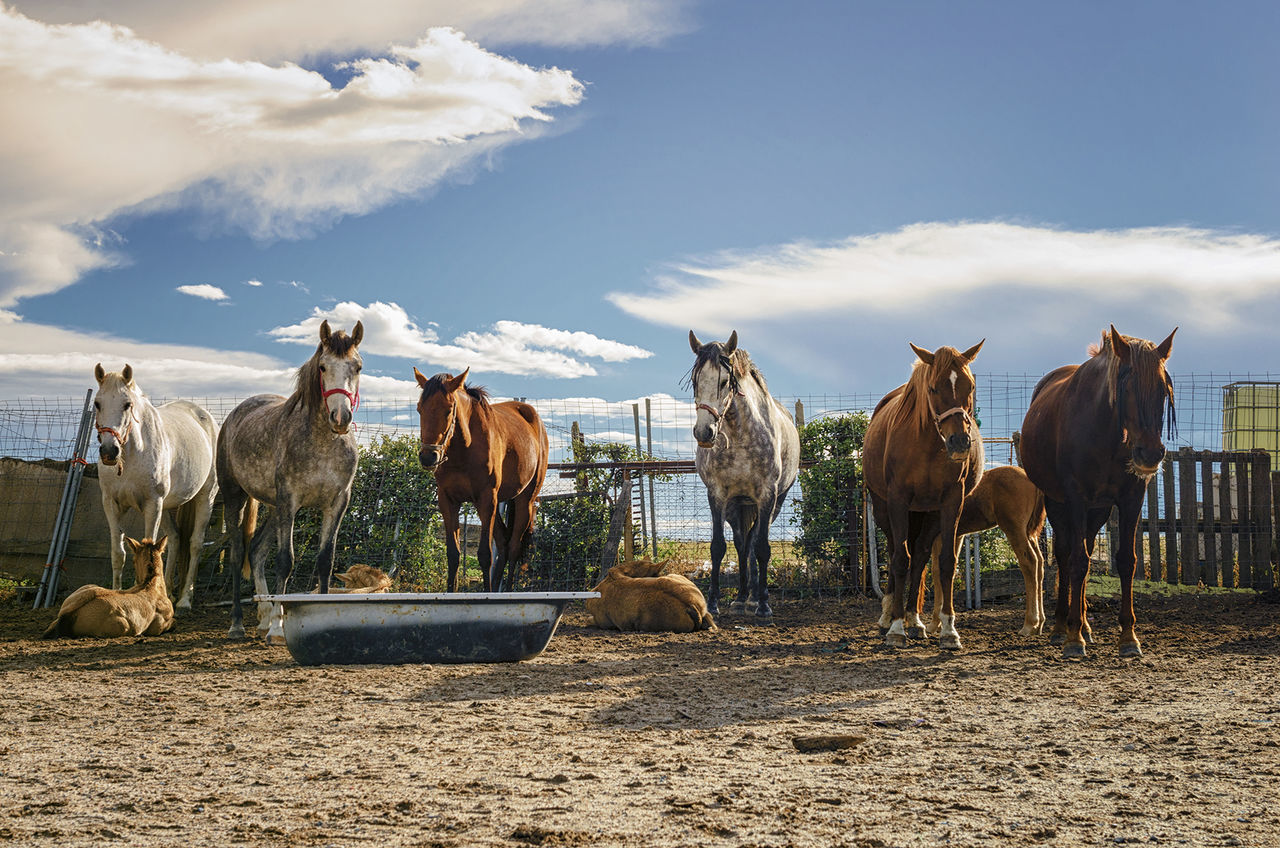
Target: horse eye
(322,368)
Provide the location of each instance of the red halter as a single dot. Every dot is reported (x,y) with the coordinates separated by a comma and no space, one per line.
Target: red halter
(121,438)
(353,398)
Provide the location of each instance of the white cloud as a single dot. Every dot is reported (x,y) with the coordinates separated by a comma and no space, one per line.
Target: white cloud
(257,284)
(282,29)
(204,290)
(1189,276)
(114,123)
(509,347)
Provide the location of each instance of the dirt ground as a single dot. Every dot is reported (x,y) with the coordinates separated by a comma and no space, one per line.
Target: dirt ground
(656,740)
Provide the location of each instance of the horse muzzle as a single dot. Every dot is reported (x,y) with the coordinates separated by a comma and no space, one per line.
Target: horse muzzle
(1145,461)
(430,457)
(109,455)
(958,447)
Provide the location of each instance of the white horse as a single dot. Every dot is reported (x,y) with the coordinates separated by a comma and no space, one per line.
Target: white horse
(159,461)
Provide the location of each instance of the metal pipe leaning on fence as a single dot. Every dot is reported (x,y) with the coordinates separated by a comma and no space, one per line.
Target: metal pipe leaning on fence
(48,589)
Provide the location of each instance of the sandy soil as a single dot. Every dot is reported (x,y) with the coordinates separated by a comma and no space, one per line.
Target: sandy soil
(655,740)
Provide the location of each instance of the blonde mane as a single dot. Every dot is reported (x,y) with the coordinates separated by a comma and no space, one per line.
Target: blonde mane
(913,403)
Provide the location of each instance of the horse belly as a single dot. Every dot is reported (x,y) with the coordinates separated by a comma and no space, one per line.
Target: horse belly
(192,461)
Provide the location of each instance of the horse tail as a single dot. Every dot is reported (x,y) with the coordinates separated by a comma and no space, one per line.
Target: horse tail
(184,523)
(248,524)
(1035,522)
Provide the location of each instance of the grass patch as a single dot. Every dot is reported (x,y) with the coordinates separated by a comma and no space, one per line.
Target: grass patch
(1105,586)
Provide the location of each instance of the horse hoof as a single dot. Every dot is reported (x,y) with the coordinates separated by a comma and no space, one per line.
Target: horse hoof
(751,606)
(1131,649)
(949,643)
(1057,638)
(1088,636)
(236,632)
(895,640)
(1073,651)
(932,631)
(273,639)
(915,632)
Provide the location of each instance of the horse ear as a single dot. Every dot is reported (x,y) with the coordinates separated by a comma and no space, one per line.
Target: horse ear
(926,356)
(161,543)
(694,343)
(968,355)
(731,345)
(100,373)
(1166,347)
(453,384)
(1118,345)
(420,377)
(127,373)
(357,333)
(133,544)
(325,332)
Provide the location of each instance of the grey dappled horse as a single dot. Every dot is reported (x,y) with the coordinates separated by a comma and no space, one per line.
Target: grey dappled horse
(748,456)
(158,460)
(292,452)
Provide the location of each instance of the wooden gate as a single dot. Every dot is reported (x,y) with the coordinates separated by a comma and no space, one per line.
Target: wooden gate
(1210,518)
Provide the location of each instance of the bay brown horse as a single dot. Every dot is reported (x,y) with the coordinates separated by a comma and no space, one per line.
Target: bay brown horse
(1006,498)
(486,454)
(922,455)
(1091,441)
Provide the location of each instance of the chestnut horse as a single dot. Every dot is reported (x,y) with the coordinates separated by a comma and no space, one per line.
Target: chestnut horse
(1091,441)
(486,454)
(1007,499)
(922,455)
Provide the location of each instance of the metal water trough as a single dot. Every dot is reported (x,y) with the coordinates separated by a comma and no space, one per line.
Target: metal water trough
(395,628)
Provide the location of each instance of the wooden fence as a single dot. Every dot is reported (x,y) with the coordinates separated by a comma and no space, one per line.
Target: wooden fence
(1211,519)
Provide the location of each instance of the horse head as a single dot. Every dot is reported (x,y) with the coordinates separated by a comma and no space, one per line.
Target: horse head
(116,408)
(947,386)
(338,362)
(1142,389)
(715,379)
(438,415)
(148,558)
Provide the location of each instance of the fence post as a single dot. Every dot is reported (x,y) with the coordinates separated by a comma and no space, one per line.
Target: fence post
(1168,501)
(644,520)
(1260,478)
(653,501)
(1153,571)
(1244,520)
(1189,553)
(799,414)
(1225,523)
(1209,569)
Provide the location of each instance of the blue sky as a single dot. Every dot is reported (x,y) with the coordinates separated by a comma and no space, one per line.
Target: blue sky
(554,193)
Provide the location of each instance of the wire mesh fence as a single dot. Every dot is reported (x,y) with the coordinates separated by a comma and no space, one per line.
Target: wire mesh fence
(819,539)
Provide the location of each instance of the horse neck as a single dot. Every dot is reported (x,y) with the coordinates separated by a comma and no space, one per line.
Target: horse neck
(751,410)
(148,433)
(475,418)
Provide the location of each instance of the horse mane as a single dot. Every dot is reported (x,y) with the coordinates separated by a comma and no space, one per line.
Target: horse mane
(1146,366)
(738,364)
(306,386)
(478,394)
(913,403)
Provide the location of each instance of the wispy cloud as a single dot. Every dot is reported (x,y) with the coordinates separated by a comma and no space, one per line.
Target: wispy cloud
(1191,276)
(204,290)
(273,150)
(257,284)
(286,29)
(508,347)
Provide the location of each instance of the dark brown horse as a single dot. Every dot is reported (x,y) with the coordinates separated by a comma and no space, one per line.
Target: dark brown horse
(486,454)
(921,457)
(1090,441)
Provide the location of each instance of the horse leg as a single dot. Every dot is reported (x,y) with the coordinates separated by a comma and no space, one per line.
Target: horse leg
(948,520)
(718,547)
(923,529)
(235,505)
(1073,575)
(1126,562)
(762,552)
(741,543)
(201,508)
(285,513)
(880,511)
(899,521)
(115,539)
(935,619)
(449,515)
(1097,518)
(523,511)
(501,539)
(330,521)
(170,527)
(1032,574)
(486,507)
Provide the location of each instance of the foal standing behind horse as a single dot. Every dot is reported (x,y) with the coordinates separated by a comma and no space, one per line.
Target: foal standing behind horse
(748,456)
(921,456)
(158,460)
(486,454)
(291,453)
(1091,442)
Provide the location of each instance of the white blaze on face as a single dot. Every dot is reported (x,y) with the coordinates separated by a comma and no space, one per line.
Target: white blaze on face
(955,375)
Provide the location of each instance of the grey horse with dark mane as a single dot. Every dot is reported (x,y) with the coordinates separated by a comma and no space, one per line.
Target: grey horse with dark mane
(748,456)
(290,453)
